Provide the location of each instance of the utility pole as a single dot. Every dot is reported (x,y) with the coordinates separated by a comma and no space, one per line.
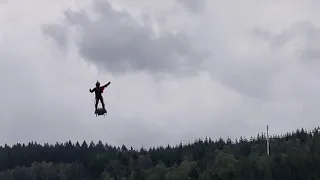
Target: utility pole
(268,148)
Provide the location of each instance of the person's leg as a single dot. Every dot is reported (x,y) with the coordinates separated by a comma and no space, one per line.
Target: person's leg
(101,99)
(96,105)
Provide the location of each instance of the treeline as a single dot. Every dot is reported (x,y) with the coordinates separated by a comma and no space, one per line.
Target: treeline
(293,156)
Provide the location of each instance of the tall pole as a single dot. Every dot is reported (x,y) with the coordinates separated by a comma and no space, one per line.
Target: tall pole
(268,148)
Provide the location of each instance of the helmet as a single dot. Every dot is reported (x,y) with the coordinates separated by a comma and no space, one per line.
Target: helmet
(97,84)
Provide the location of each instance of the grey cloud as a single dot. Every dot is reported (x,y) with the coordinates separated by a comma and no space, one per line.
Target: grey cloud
(119,44)
(303,29)
(194,6)
(299,43)
(58,33)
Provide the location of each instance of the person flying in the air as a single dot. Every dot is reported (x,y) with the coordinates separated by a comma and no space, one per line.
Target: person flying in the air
(98,94)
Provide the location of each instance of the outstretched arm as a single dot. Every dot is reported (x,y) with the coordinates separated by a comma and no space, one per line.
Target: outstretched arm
(92,90)
(106,85)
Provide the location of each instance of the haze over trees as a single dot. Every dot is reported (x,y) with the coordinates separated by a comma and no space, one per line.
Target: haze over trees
(293,156)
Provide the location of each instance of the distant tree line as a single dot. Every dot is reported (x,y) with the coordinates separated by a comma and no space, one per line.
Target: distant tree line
(294,156)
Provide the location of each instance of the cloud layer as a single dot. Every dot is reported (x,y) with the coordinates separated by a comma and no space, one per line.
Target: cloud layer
(227,69)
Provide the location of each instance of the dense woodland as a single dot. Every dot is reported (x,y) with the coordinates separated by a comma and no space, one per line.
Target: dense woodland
(293,156)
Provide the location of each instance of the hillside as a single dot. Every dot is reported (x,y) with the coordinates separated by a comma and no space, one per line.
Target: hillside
(293,156)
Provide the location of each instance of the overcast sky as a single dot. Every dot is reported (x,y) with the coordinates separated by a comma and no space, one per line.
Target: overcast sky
(179,69)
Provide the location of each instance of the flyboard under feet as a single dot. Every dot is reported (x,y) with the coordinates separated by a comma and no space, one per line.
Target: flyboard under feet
(100,112)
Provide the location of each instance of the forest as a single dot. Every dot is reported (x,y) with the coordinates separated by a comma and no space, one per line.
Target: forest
(293,156)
